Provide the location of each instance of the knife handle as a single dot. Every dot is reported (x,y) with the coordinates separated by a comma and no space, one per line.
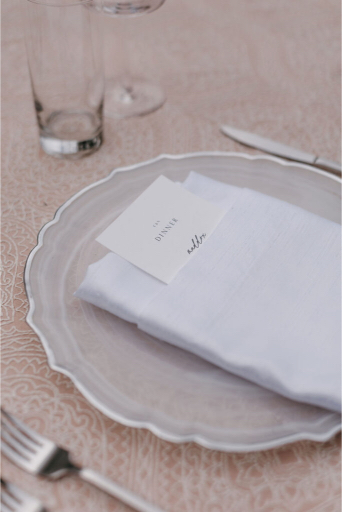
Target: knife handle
(328,165)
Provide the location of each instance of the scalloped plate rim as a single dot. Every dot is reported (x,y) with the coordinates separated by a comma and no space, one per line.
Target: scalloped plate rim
(155,429)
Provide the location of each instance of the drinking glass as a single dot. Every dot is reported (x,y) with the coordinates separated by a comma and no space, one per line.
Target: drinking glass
(126,95)
(65,56)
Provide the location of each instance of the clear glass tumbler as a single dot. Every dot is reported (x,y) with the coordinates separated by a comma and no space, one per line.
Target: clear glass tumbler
(65,55)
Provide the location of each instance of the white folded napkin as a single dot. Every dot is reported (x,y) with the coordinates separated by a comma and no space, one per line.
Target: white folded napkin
(261,298)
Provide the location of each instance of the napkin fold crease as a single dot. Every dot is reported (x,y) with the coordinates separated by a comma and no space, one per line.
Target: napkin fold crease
(261,298)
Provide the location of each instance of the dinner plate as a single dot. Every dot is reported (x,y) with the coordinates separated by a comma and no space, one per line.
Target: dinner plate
(136,379)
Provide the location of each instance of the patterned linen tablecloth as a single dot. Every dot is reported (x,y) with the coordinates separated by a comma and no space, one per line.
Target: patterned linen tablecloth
(265,66)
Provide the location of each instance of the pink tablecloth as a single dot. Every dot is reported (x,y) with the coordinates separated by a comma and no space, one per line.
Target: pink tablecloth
(269,67)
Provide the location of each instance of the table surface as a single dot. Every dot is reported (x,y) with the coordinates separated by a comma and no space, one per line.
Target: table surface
(268,67)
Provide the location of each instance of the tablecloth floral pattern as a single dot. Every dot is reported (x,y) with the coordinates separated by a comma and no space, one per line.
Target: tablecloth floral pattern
(269,67)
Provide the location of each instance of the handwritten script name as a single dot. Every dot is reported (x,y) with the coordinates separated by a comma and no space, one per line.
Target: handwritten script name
(196,242)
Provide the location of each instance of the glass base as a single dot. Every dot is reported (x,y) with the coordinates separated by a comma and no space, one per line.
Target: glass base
(124,8)
(71,149)
(71,134)
(129,97)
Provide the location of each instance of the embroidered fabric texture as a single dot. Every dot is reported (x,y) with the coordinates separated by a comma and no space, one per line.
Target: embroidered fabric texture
(269,67)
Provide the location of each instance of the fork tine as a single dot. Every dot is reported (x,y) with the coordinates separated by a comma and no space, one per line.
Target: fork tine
(4,508)
(8,498)
(15,444)
(13,455)
(34,436)
(14,499)
(25,451)
(24,440)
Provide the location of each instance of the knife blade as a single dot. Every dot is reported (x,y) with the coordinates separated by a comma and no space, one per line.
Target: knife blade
(277,148)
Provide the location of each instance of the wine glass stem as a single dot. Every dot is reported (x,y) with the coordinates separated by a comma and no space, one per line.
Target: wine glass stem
(118,45)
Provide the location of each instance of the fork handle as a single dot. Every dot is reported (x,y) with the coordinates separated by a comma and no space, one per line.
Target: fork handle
(122,494)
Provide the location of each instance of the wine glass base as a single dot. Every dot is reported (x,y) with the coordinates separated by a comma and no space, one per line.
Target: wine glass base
(131,97)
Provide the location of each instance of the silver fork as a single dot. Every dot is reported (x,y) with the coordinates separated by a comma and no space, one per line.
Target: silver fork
(14,499)
(40,456)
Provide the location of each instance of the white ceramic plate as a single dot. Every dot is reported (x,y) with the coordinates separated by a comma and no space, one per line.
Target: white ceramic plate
(134,378)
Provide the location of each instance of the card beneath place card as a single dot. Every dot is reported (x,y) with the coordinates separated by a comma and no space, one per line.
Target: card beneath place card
(162,229)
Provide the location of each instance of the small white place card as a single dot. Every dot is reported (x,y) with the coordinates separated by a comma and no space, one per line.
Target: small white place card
(162,229)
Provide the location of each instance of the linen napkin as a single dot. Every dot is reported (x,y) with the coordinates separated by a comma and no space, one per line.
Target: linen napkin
(260,299)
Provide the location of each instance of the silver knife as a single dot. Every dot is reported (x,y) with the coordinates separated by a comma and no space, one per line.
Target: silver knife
(279,149)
